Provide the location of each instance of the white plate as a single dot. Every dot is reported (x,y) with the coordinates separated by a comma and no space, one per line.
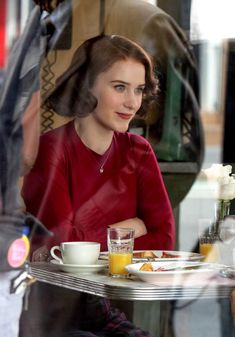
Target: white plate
(171,276)
(80,269)
(183,256)
(228,272)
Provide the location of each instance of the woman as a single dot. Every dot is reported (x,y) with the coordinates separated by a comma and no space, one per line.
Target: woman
(91,173)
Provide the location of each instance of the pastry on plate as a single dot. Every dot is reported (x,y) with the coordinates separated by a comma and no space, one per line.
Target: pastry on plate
(144,255)
(147,266)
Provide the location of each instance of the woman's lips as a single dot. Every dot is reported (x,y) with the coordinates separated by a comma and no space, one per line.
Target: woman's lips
(124,115)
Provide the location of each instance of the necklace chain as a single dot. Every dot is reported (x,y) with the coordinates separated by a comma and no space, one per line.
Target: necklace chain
(101,169)
(101,165)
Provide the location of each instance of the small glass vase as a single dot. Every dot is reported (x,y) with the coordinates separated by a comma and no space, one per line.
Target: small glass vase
(222,210)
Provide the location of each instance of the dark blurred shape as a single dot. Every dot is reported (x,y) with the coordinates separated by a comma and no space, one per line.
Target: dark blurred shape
(228,153)
(47,5)
(1,77)
(35,226)
(179,10)
(11,229)
(229,135)
(19,83)
(59,24)
(21,80)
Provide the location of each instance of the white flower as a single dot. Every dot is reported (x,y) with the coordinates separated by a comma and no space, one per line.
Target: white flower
(217,171)
(227,189)
(225,183)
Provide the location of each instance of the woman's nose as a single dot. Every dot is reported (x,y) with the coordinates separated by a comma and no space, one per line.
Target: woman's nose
(132,101)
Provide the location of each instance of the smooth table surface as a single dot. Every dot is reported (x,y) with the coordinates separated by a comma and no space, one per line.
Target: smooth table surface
(101,284)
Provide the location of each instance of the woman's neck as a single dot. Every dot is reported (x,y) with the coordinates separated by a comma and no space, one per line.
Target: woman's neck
(95,138)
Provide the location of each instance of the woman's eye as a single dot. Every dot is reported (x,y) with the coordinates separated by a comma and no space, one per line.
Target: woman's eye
(139,91)
(119,88)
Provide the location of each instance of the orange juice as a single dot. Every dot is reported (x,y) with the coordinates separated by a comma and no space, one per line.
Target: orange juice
(118,261)
(210,251)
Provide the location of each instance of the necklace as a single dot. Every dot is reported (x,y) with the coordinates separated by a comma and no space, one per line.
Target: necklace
(93,153)
(101,165)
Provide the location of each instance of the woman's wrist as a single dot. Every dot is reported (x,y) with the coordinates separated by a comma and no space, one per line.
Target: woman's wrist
(136,223)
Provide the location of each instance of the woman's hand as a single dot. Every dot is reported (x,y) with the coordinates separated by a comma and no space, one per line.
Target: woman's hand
(41,254)
(136,223)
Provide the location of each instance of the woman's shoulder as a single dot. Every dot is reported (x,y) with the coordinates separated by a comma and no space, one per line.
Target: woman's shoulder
(58,132)
(137,149)
(55,143)
(133,140)
(58,136)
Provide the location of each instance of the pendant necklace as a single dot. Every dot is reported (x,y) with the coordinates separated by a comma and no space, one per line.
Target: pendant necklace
(101,164)
(94,154)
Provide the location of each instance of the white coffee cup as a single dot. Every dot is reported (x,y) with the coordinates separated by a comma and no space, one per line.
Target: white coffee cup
(79,253)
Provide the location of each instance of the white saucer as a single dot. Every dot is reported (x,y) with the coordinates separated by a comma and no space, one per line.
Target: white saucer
(81,269)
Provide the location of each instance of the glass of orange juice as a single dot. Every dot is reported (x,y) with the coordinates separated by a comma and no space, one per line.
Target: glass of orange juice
(120,246)
(208,247)
(208,242)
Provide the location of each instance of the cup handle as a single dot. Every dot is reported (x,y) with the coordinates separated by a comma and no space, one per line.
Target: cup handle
(57,258)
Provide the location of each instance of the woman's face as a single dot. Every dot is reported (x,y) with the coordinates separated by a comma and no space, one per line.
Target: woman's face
(119,92)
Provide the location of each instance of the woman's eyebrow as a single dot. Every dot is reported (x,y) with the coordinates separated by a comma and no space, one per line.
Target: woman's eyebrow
(119,81)
(127,83)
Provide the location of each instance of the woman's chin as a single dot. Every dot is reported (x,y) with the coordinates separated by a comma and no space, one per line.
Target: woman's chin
(122,128)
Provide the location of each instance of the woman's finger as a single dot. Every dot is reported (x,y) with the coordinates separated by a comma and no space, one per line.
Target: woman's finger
(41,254)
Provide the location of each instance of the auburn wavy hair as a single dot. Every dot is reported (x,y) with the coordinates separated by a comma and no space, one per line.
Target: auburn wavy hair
(72,96)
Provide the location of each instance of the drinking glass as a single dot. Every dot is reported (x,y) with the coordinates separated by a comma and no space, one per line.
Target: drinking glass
(120,247)
(227,229)
(208,241)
